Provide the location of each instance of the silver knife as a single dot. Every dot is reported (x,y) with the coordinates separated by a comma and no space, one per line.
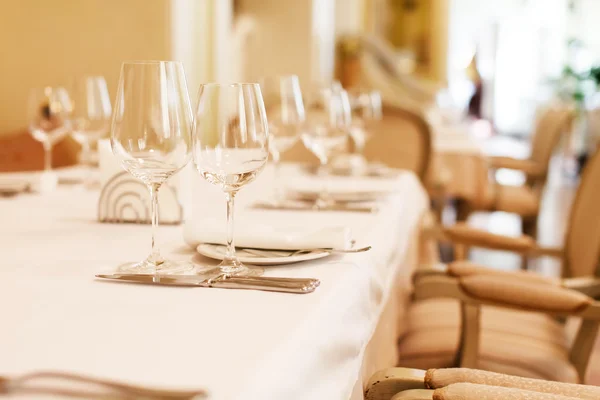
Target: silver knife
(272,284)
(311,207)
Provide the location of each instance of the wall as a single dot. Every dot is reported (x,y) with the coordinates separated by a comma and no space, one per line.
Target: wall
(46,42)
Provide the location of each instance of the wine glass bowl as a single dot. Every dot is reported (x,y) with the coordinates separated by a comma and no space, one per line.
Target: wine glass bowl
(328,117)
(91,114)
(49,111)
(231,147)
(285,109)
(151,135)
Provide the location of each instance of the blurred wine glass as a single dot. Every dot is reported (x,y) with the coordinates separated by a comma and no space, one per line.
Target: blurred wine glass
(90,116)
(367,110)
(48,112)
(328,117)
(285,110)
(231,136)
(152,136)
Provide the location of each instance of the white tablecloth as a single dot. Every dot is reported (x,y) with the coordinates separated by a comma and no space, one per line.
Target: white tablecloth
(236,344)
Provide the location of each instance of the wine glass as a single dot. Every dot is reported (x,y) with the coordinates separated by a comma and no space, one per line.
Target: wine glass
(329,118)
(285,109)
(366,111)
(90,116)
(231,148)
(49,109)
(152,136)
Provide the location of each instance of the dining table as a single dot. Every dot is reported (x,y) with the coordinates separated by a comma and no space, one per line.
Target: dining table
(235,344)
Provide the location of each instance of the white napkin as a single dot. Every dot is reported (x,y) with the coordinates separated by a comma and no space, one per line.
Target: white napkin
(279,235)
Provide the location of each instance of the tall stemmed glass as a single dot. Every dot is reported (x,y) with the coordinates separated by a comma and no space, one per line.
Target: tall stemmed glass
(231,148)
(329,118)
(283,102)
(366,111)
(152,137)
(91,115)
(49,109)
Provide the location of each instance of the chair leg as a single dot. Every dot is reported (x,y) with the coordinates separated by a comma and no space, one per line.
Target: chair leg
(529,227)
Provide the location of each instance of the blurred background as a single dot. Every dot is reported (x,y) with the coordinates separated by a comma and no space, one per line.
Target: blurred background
(495,60)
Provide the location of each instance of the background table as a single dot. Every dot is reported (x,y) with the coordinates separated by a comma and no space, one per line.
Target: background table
(235,344)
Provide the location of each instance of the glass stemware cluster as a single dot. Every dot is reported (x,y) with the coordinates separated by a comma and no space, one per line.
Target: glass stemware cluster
(82,109)
(155,133)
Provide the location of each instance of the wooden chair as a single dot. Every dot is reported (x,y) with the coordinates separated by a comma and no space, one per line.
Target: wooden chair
(20,152)
(448,326)
(469,384)
(524,200)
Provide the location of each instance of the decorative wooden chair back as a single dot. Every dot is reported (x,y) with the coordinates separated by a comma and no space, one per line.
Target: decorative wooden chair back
(582,240)
(20,152)
(402,139)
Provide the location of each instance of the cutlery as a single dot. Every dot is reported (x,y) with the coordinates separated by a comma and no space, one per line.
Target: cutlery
(110,389)
(304,206)
(291,253)
(13,188)
(272,284)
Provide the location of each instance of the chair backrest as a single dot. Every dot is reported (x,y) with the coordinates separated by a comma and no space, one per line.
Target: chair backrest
(582,241)
(552,123)
(20,152)
(402,139)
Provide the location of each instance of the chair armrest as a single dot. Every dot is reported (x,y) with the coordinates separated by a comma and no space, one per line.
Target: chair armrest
(589,286)
(461,233)
(508,292)
(530,168)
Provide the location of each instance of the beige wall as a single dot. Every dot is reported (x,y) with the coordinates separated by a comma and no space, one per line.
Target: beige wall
(45,42)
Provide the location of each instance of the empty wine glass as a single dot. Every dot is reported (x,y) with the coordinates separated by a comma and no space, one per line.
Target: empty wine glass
(329,117)
(90,116)
(49,109)
(152,136)
(366,111)
(231,148)
(285,109)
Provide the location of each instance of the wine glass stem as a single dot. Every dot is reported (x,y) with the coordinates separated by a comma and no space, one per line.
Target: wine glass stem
(325,177)
(47,156)
(230,257)
(276,179)
(85,160)
(155,253)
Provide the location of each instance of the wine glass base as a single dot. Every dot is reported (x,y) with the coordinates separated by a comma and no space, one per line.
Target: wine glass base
(148,267)
(229,270)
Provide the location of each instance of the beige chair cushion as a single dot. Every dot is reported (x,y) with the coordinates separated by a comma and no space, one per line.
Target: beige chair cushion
(499,352)
(439,378)
(520,200)
(517,343)
(432,314)
(472,391)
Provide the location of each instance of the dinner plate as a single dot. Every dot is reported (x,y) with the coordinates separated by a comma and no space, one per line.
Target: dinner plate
(260,257)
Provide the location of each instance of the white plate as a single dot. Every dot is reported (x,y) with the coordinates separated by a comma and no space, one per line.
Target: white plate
(254,257)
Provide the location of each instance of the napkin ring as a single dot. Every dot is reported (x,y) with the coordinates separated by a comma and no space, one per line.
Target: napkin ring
(126,200)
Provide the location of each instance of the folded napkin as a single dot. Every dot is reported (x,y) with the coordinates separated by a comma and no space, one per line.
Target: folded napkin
(277,235)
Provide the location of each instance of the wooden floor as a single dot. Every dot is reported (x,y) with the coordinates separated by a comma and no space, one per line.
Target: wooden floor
(556,204)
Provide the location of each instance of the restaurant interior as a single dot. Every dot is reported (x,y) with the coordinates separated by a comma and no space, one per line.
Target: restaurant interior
(300,199)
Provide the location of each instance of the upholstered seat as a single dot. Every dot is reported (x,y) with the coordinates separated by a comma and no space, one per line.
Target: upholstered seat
(519,343)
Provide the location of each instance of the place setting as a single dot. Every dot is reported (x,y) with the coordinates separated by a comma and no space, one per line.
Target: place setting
(227,140)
